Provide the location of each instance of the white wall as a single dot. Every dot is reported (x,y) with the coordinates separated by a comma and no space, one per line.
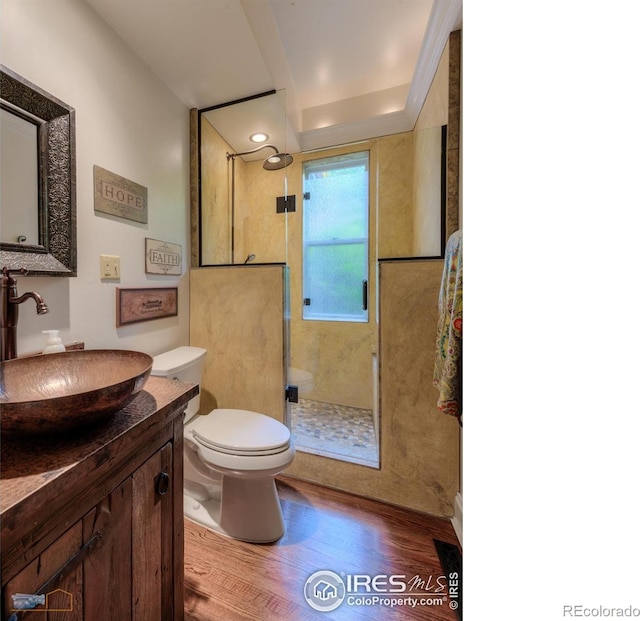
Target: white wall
(128,122)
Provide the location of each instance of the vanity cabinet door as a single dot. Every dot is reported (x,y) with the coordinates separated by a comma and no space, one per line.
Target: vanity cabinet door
(107,569)
(85,573)
(114,564)
(152,554)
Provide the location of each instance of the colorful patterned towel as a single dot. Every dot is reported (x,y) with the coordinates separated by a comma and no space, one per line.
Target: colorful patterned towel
(447,374)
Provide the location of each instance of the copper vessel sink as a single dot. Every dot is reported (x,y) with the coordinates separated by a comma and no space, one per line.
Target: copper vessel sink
(65,391)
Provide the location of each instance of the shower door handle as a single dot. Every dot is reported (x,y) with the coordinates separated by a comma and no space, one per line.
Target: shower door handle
(365,295)
(291,393)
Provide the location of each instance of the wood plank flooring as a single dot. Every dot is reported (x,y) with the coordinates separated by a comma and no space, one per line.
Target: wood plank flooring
(228,580)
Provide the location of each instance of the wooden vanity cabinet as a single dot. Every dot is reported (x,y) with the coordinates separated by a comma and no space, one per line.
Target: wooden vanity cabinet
(113,549)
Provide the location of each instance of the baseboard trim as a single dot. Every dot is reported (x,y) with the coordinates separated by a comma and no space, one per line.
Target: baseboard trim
(456,520)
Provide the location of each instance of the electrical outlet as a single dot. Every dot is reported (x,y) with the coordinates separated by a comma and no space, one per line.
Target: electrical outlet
(109,267)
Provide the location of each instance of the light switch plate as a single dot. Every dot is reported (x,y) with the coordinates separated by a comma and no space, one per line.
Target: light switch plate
(109,267)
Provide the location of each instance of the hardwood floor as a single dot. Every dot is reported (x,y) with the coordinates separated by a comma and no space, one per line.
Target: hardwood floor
(228,580)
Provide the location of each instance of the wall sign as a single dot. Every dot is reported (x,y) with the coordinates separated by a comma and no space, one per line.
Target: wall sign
(162,257)
(118,196)
(134,305)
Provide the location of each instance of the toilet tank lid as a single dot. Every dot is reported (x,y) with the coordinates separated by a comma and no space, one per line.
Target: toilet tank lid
(176,360)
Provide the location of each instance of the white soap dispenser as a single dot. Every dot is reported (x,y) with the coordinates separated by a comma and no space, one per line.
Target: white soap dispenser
(54,342)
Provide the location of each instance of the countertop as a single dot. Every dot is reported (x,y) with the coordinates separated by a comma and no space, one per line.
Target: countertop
(35,472)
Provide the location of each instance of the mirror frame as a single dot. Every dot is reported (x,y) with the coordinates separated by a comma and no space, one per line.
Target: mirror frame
(56,254)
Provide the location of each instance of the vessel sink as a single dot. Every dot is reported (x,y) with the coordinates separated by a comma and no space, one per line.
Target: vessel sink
(69,390)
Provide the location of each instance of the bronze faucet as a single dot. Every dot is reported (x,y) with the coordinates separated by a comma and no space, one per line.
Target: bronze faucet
(10,301)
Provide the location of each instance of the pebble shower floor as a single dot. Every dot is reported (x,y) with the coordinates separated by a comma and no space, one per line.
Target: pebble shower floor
(336,431)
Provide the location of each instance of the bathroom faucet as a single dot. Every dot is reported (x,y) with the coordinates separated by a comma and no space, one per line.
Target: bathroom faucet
(10,302)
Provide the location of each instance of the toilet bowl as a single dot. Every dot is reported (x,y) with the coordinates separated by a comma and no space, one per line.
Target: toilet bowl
(231,457)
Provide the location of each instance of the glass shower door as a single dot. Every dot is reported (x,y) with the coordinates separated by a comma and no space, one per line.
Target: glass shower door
(333,331)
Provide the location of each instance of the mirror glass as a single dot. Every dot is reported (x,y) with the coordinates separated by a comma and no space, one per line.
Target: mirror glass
(38,210)
(19,181)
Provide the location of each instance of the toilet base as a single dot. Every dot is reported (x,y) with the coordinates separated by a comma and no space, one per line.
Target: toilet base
(248,510)
(202,512)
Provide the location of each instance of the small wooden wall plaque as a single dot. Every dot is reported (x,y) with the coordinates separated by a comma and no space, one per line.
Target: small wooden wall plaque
(162,257)
(118,196)
(134,305)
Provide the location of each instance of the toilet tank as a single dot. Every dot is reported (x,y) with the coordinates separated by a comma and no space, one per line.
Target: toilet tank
(185,364)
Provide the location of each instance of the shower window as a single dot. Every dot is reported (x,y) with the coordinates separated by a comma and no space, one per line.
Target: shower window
(335,238)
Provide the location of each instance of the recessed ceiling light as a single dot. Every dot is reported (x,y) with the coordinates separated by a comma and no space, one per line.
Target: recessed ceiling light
(259,137)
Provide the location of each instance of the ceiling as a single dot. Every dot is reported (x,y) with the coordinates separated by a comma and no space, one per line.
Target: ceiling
(344,70)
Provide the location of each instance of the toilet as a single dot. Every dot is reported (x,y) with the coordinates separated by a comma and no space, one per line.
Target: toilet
(230,460)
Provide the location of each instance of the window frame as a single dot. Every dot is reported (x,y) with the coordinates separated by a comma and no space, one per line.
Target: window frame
(364,241)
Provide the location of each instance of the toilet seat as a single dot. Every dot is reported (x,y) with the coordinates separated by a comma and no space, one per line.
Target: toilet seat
(241,432)
(230,460)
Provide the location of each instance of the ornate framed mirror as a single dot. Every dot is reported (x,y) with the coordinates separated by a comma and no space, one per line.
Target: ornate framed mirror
(54,252)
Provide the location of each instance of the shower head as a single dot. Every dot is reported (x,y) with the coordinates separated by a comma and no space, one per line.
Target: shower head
(273,162)
(277,161)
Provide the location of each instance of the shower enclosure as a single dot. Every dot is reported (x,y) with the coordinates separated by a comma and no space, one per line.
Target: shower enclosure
(255,213)
(419,447)
(251,214)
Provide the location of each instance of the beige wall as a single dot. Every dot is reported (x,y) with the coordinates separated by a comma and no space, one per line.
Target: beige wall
(395,202)
(215,197)
(427,194)
(237,316)
(260,230)
(257,228)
